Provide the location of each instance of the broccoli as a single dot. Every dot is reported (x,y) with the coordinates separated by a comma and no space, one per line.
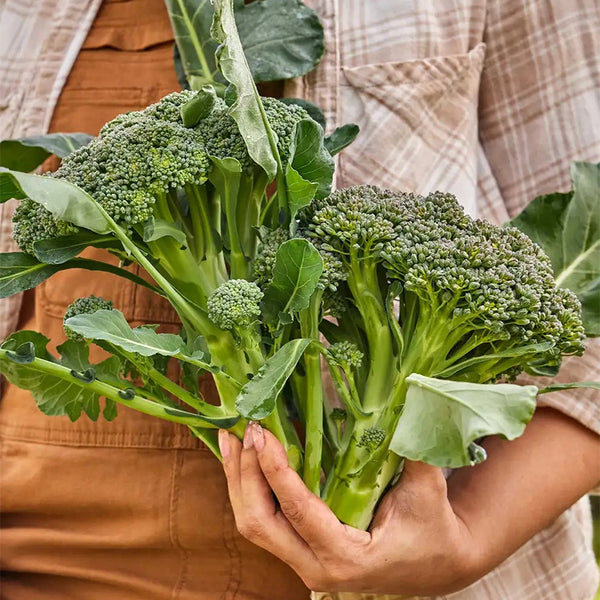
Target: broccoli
(84,306)
(427,290)
(385,289)
(33,223)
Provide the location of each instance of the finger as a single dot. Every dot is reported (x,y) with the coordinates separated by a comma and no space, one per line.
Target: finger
(231,449)
(307,513)
(256,514)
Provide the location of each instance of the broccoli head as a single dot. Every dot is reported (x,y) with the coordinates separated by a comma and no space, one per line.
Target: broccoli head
(235,304)
(84,306)
(33,223)
(467,287)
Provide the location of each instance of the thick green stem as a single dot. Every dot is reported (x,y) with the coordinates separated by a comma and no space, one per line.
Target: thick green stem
(313,448)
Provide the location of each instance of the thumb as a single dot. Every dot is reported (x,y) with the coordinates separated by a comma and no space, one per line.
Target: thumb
(421,481)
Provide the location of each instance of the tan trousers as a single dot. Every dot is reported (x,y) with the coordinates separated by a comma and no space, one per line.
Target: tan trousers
(135,509)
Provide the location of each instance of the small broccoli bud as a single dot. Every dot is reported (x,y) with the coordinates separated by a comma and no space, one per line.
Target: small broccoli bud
(346,354)
(236,303)
(339,415)
(84,306)
(371,438)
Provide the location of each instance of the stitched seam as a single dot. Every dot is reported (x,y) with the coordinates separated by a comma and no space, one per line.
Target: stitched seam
(173,533)
(235,559)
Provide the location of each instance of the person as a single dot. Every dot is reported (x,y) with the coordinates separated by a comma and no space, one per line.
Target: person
(489,100)
(139,510)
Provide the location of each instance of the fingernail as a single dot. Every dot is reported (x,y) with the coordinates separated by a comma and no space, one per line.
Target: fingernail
(257,436)
(248,441)
(224,443)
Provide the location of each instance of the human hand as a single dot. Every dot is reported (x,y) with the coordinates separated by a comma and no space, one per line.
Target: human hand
(416,545)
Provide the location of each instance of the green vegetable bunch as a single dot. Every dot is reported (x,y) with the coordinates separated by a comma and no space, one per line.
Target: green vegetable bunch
(419,315)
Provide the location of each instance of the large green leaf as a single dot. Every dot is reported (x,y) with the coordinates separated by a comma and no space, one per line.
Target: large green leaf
(20,272)
(281,38)
(191,21)
(111,326)
(63,199)
(258,397)
(54,395)
(25,154)
(442,419)
(71,385)
(247,109)
(567,227)
(298,267)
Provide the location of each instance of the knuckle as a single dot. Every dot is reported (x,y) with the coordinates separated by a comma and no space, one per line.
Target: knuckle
(294,509)
(251,528)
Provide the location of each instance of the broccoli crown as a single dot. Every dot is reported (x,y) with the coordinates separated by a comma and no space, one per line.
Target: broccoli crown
(235,304)
(346,354)
(34,223)
(136,157)
(222,138)
(490,278)
(84,306)
(371,438)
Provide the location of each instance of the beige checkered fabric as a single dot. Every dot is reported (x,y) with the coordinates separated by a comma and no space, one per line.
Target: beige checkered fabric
(490,100)
(39,42)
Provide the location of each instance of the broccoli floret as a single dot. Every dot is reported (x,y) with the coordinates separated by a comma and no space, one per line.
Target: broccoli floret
(235,304)
(371,438)
(346,354)
(33,223)
(84,306)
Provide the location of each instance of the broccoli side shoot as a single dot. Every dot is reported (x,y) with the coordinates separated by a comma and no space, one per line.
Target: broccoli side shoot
(84,306)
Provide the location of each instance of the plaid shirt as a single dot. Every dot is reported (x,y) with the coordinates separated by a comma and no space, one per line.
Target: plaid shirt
(488,100)
(491,101)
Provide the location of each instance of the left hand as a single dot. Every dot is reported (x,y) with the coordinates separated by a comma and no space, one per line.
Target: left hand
(416,544)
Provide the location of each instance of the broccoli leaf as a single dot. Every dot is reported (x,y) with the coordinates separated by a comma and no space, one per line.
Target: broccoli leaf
(55,251)
(281,38)
(247,109)
(72,385)
(191,21)
(25,154)
(567,227)
(54,395)
(63,199)
(154,229)
(442,419)
(310,160)
(298,267)
(20,272)
(111,326)
(258,397)
(340,138)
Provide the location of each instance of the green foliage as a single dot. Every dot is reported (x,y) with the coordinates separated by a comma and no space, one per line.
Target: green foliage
(465,412)
(26,154)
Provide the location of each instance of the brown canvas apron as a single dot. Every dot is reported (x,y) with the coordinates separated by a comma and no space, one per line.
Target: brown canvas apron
(135,509)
